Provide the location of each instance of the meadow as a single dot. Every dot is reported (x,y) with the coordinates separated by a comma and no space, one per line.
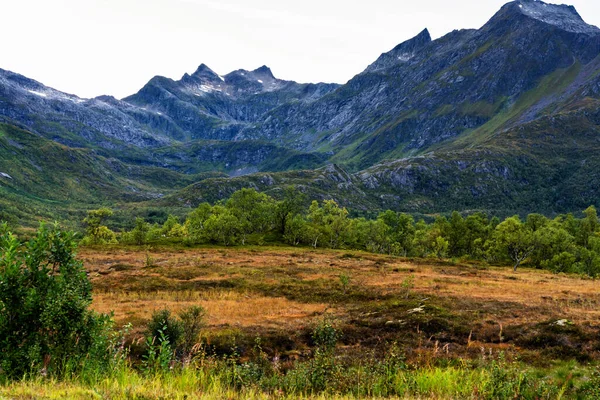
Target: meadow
(406,328)
(270,291)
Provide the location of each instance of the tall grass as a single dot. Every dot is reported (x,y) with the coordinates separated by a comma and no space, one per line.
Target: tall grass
(216,378)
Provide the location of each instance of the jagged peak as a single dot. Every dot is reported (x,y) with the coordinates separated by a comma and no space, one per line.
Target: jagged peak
(203,71)
(562,16)
(403,52)
(265,71)
(418,41)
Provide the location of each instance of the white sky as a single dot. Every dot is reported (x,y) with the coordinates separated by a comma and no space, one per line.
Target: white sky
(94,47)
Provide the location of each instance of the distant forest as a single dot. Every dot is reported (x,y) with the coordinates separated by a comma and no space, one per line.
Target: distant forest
(564,244)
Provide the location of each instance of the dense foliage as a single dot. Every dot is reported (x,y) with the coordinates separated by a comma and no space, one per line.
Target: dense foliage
(45,324)
(563,244)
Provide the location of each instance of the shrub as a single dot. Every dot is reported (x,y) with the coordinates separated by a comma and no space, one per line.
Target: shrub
(192,322)
(163,325)
(45,324)
(323,367)
(325,336)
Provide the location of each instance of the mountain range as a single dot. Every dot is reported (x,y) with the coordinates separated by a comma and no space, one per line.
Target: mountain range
(505,119)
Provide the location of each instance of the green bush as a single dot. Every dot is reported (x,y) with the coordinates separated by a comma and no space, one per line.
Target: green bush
(45,325)
(164,325)
(192,323)
(183,333)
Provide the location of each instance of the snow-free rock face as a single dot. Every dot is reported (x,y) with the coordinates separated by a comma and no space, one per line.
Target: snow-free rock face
(404,52)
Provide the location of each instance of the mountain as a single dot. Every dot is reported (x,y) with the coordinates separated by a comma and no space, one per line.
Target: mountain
(70,120)
(501,118)
(549,165)
(40,178)
(205,105)
(426,92)
(165,129)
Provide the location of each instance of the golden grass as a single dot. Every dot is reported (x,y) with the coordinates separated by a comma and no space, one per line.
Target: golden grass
(525,295)
(272,289)
(224,308)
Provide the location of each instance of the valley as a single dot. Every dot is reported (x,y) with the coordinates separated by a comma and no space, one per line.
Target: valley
(426,230)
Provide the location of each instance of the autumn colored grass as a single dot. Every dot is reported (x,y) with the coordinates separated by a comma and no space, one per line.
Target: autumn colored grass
(456,308)
(410,329)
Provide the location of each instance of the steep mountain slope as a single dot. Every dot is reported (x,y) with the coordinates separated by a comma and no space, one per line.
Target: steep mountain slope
(548,165)
(425,92)
(71,120)
(146,136)
(206,105)
(42,178)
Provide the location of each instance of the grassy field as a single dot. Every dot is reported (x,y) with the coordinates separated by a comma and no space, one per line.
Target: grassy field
(283,292)
(453,322)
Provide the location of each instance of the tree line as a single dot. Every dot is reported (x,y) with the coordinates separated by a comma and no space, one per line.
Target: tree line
(565,243)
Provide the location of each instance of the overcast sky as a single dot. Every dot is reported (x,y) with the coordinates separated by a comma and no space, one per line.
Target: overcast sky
(94,47)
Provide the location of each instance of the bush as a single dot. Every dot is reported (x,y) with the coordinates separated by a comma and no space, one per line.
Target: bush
(163,325)
(192,322)
(323,366)
(182,333)
(45,324)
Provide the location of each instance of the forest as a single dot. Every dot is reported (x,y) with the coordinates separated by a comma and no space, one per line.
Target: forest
(566,243)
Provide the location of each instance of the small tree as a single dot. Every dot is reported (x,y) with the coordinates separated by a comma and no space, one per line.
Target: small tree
(513,240)
(195,224)
(330,222)
(172,228)
(222,226)
(253,210)
(286,209)
(139,233)
(402,231)
(295,230)
(589,226)
(96,231)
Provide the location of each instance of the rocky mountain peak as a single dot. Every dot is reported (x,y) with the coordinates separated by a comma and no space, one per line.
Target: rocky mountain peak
(264,71)
(416,43)
(562,16)
(204,72)
(404,52)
